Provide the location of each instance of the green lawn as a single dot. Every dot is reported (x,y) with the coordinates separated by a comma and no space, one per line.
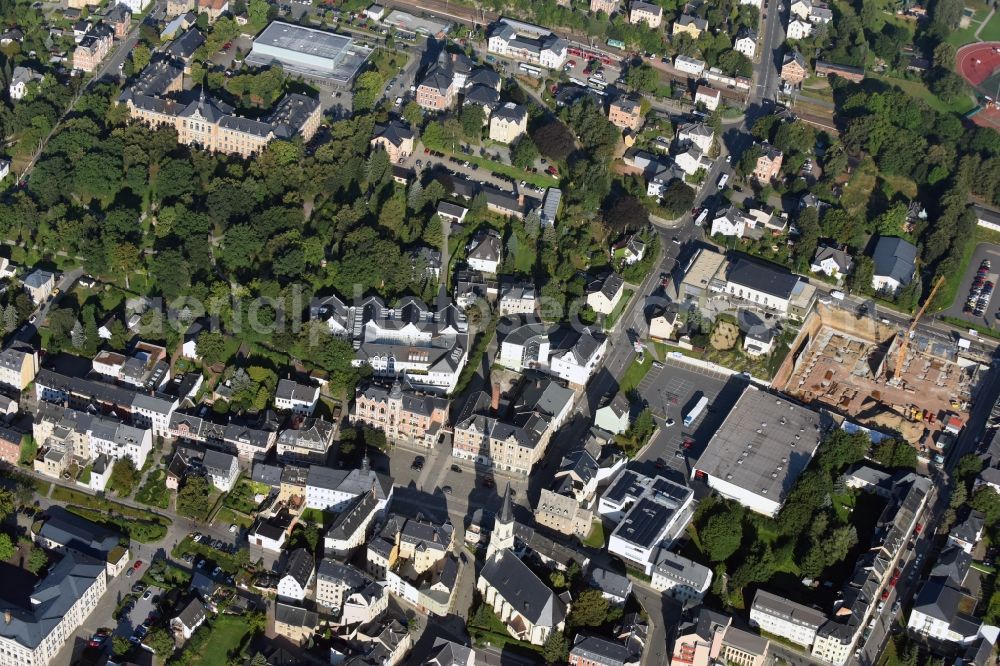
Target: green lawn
(596,537)
(919,90)
(228,632)
(609,323)
(991,33)
(630,380)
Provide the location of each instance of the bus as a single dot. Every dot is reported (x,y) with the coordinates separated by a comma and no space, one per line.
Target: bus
(597,84)
(530,70)
(696,411)
(616,43)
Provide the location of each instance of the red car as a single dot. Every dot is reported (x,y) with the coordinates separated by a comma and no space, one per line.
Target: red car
(138,563)
(919,528)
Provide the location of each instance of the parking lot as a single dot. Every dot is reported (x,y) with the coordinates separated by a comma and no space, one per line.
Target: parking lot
(992,310)
(144,605)
(670,392)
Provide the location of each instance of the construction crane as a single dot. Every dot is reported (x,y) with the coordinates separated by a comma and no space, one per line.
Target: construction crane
(901,352)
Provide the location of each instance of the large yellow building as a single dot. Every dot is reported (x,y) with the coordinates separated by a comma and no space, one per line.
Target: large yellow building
(212,124)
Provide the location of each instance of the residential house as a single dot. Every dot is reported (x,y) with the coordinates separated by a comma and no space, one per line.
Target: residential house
(39,285)
(328,489)
(395,138)
(448,653)
(530,43)
(93,48)
(508,123)
(119,18)
(768,165)
(450,212)
(349,594)
(221,468)
(514,443)
(708,96)
(404,415)
(614,587)
(350,528)
(692,160)
(609,7)
(781,617)
(410,341)
(485,252)
(663,324)
(831,261)
(589,650)
(629,250)
(576,360)
(190,618)
(437,91)
(297,579)
(308,441)
(295,623)
(645,12)
(968,533)
(799,29)
(483,76)
(800,9)
(18,365)
(626,113)
(567,504)
(212,8)
(699,134)
(689,25)
(10,446)
(605,292)
(729,222)
(758,341)
(298,398)
(895,264)
(793,68)
(20,78)
(709,638)
(517,297)
(683,579)
(614,417)
(746,42)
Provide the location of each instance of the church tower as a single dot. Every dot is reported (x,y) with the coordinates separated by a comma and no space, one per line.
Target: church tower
(503,529)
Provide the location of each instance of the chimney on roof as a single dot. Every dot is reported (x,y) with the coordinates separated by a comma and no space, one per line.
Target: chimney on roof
(495,402)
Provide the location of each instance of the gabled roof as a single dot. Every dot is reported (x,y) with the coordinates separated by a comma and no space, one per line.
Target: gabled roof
(394,132)
(192,614)
(300,566)
(439,80)
(895,258)
(523,590)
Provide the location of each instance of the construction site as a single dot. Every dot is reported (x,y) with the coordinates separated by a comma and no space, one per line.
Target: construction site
(912,382)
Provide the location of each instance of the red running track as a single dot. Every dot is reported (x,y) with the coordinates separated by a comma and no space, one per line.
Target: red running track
(977,62)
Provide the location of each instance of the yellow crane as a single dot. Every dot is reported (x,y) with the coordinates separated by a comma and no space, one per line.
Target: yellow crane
(901,352)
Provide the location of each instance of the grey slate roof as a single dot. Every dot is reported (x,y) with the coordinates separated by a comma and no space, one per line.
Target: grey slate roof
(300,566)
(761,277)
(192,614)
(394,132)
(895,258)
(80,534)
(597,650)
(184,46)
(295,616)
(523,590)
(67,582)
(449,653)
(219,463)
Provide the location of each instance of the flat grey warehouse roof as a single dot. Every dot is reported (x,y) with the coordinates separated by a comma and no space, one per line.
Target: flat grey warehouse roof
(764,444)
(309,52)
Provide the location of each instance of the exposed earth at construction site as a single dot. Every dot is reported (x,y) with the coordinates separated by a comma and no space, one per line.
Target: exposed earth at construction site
(912,382)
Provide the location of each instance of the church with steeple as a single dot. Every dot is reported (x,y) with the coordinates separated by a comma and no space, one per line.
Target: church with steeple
(523,602)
